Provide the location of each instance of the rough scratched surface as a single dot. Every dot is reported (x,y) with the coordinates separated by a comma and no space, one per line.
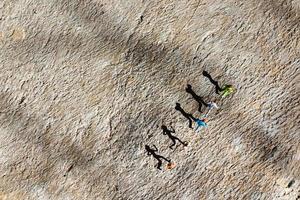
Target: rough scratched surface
(85,85)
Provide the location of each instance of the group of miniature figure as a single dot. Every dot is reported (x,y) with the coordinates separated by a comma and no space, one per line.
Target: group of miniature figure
(224,91)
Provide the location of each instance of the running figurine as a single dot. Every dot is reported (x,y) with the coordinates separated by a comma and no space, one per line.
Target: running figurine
(211,105)
(201,123)
(170,165)
(227,90)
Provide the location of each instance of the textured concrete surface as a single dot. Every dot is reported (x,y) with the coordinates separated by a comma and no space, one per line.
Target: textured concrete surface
(85,85)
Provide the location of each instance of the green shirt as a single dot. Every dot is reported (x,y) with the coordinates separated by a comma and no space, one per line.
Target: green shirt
(227,90)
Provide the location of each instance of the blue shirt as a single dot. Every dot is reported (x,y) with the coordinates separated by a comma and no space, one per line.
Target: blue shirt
(200,123)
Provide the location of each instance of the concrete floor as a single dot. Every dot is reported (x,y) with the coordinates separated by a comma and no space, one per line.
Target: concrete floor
(85,85)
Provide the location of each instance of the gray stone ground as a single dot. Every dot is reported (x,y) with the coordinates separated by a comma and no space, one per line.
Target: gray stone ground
(85,85)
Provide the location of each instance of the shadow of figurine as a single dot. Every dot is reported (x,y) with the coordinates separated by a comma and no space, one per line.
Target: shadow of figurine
(168,132)
(226,90)
(215,83)
(185,114)
(157,157)
(199,99)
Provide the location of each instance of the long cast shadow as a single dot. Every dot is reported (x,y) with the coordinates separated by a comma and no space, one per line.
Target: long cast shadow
(199,99)
(214,82)
(136,56)
(185,114)
(156,156)
(168,132)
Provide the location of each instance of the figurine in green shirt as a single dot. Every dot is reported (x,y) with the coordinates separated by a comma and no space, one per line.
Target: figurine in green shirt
(227,90)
